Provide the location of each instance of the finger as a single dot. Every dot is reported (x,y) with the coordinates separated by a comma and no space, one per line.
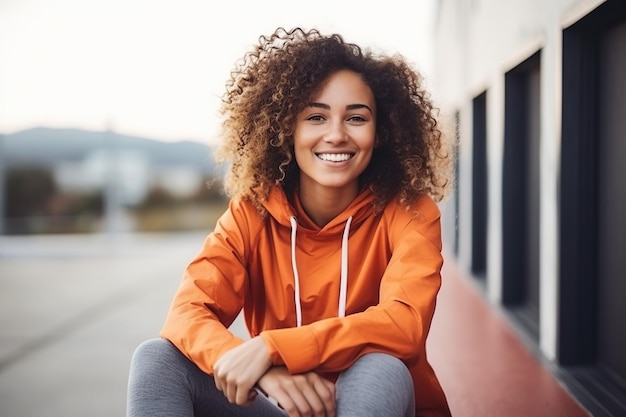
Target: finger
(218,382)
(229,388)
(326,393)
(325,387)
(320,394)
(242,394)
(252,394)
(293,402)
(237,390)
(231,393)
(314,401)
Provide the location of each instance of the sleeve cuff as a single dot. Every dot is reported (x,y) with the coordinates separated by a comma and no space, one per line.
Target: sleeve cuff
(296,348)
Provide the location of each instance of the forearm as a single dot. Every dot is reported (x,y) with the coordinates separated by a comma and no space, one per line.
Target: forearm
(332,345)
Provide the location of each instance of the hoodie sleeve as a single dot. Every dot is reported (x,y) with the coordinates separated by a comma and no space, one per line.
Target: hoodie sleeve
(397,325)
(211,293)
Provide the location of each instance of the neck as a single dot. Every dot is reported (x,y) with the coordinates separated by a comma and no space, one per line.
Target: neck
(322,204)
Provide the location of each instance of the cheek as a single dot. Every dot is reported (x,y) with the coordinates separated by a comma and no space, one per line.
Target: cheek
(367,150)
(301,137)
(369,157)
(300,149)
(369,142)
(304,140)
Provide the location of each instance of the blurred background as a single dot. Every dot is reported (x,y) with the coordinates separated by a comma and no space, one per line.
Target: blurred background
(108,110)
(61,180)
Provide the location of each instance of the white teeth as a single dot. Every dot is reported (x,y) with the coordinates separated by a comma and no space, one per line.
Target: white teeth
(334,157)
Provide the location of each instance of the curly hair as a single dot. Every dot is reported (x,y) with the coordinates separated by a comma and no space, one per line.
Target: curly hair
(274,82)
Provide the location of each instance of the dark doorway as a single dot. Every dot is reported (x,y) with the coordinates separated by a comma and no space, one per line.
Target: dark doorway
(592,262)
(479,186)
(521,193)
(611,227)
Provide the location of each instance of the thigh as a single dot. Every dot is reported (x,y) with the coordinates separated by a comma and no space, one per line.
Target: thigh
(164,382)
(377,384)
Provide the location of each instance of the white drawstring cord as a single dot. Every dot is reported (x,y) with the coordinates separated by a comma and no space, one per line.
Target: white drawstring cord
(294,266)
(343,283)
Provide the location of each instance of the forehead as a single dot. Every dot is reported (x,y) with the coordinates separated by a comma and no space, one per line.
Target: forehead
(344,84)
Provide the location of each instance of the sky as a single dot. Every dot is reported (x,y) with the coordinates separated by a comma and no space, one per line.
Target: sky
(156,68)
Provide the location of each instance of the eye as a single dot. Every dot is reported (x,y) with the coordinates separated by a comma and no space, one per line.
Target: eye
(315,118)
(357,118)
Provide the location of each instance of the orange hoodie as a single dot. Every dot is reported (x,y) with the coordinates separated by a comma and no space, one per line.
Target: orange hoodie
(296,282)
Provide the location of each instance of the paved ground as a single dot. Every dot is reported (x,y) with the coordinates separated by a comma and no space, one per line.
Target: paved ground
(72,310)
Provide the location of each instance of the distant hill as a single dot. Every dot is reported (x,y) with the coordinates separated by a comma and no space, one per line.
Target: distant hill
(46,146)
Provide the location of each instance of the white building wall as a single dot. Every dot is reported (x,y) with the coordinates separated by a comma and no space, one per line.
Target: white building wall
(477,42)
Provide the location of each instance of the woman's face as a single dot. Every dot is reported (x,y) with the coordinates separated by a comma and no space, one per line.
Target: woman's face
(334,135)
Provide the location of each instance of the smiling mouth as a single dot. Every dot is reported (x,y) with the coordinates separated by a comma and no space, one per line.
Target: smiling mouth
(334,157)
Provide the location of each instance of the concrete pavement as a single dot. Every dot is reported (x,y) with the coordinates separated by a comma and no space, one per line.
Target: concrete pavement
(72,310)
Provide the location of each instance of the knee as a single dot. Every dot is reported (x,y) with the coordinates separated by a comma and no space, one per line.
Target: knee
(359,387)
(387,370)
(382,367)
(394,364)
(158,360)
(154,351)
(387,363)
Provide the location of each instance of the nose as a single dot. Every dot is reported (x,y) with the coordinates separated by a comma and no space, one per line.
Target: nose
(336,132)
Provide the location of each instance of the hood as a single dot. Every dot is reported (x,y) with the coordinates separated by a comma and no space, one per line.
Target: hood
(279,207)
(286,215)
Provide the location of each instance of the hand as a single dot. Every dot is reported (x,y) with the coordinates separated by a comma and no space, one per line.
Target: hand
(239,369)
(300,395)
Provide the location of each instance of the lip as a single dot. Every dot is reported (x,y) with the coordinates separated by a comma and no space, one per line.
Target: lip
(335,157)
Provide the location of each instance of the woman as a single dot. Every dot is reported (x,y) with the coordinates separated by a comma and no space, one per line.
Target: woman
(331,245)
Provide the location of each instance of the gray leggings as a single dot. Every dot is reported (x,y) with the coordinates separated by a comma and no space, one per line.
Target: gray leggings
(163,382)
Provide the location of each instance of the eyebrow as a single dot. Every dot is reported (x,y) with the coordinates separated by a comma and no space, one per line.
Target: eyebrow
(348,107)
